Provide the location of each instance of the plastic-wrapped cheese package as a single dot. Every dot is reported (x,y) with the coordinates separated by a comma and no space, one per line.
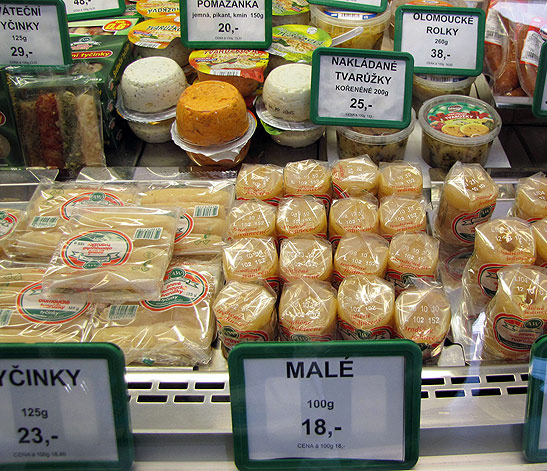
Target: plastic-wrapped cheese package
(245,312)
(178,328)
(113,254)
(352,215)
(399,178)
(354,177)
(305,257)
(539,230)
(308,177)
(10,220)
(252,218)
(365,308)
(401,214)
(307,311)
(302,215)
(210,192)
(28,315)
(531,198)
(260,181)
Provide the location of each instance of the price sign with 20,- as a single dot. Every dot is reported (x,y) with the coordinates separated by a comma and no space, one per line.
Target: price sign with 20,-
(325,405)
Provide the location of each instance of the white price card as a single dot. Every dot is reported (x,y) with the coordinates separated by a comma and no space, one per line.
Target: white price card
(226,23)
(451,39)
(63,406)
(85,9)
(34,33)
(539,105)
(361,88)
(299,405)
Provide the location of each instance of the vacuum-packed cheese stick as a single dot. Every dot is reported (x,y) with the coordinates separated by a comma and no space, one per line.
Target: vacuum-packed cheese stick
(10,220)
(196,194)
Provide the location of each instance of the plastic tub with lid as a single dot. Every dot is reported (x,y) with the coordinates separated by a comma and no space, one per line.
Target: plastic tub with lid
(290,12)
(425,86)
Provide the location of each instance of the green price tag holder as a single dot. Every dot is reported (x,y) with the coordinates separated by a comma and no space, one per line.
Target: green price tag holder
(326,405)
(539,105)
(369,6)
(66,400)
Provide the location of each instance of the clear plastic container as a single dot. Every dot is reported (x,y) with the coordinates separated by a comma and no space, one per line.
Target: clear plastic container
(425,87)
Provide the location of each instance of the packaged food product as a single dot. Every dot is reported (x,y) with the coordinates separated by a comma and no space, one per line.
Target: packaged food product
(261,181)
(380,144)
(177,329)
(468,198)
(529,39)
(399,178)
(354,177)
(517,315)
(10,220)
(154,132)
(290,12)
(426,86)
(157,8)
(365,308)
(245,312)
(337,22)
(412,256)
(308,177)
(351,215)
(531,198)
(307,311)
(539,230)
(252,218)
(457,128)
(423,315)
(401,214)
(113,254)
(360,254)
(305,257)
(301,215)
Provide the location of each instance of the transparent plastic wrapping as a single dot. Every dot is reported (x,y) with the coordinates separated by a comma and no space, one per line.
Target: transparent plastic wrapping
(531,198)
(10,220)
(58,118)
(252,218)
(300,216)
(351,215)
(360,254)
(399,178)
(307,257)
(113,254)
(261,181)
(307,311)
(468,198)
(366,306)
(28,315)
(354,177)
(220,192)
(178,328)
(308,177)
(401,214)
(412,256)
(423,314)
(539,230)
(245,312)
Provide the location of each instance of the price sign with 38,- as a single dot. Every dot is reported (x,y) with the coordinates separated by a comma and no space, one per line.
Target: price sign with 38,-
(226,24)
(85,9)
(34,33)
(318,405)
(447,38)
(64,407)
(353,87)
(539,105)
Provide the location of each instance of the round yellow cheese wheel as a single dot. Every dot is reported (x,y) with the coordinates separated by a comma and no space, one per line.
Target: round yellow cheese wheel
(251,218)
(531,198)
(365,308)
(250,259)
(307,177)
(351,215)
(261,181)
(305,257)
(354,177)
(401,214)
(300,216)
(399,178)
(539,230)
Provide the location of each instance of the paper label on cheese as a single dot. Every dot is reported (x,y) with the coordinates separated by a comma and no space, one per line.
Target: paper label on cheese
(181,288)
(465,224)
(8,222)
(287,335)
(289,7)
(122,312)
(44,222)
(58,309)
(349,332)
(97,249)
(95,198)
(156,33)
(516,334)
(186,224)
(488,278)
(245,63)
(5,316)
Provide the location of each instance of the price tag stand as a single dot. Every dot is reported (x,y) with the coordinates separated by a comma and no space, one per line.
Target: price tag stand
(539,105)
(326,405)
(64,407)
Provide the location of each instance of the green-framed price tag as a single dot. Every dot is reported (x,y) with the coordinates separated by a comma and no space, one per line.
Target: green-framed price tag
(447,38)
(357,87)
(539,105)
(376,6)
(34,33)
(64,407)
(229,24)
(86,9)
(326,405)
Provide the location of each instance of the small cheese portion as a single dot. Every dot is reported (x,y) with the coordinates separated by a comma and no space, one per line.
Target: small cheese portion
(307,177)
(401,214)
(251,259)
(400,178)
(355,177)
(152,84)
(351,215)
(287,91)
(531,198)
(261,181)
(252,218)
(301,215)
(305,257)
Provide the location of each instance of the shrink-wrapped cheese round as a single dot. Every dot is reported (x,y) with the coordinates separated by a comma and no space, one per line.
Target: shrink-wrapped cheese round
(307,311)
(351,215)
(308,177)
(260,181)
(245,312)
(300,216)
(365,308)
(517,315)
(423,315)
(305,257)
(360,254)
(531,198)
(539,230)
(468,199)
(401,214)
(399,178)
(251,218)
(354,177)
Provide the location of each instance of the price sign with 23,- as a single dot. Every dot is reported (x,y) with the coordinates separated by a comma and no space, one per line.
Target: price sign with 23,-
(226,24)
(325,405)
(64,407)
(34,33)
(539,105)
(86,9)
(446,35)
(353,87)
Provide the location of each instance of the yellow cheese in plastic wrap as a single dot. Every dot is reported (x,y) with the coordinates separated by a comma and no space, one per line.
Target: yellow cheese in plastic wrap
(399,178)
(401,214)
(539,230)
(10,220)
(252,218)
(308,177)
(531,198)
(351,215)
(354,177)
(305,257)
(260,181)
(303,215)
(221,193)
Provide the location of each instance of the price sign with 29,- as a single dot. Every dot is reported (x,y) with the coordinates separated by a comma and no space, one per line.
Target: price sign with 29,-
(356,87)
(34,33)
(85,9)
(325,405)
(226,24)
(64,406)
(539,105)
(446,37)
